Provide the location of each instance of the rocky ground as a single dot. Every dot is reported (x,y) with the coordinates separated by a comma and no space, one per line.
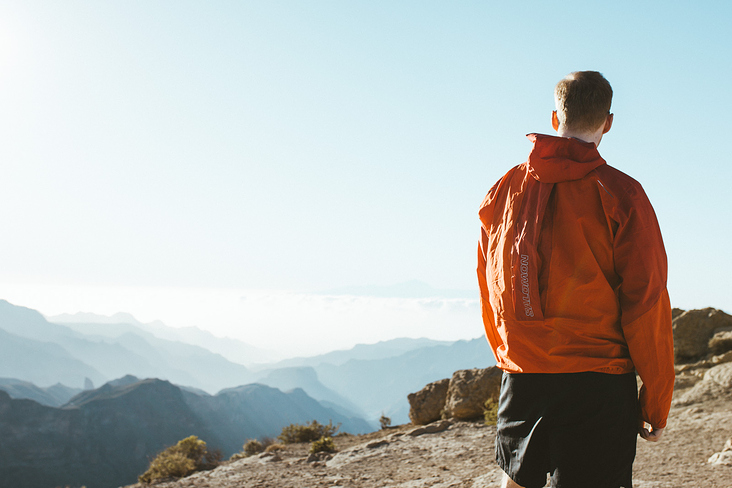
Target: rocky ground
(460,455)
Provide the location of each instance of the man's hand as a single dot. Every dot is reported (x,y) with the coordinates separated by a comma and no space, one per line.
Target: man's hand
(653,435)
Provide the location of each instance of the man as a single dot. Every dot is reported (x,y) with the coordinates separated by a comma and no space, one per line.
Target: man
(572,273)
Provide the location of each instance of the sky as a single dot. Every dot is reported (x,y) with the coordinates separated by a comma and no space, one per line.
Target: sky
(232,165)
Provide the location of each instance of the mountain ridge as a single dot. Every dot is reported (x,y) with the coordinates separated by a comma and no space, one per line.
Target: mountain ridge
(232,349)
(106,437)
(388,370)
(46,347)
(51,396)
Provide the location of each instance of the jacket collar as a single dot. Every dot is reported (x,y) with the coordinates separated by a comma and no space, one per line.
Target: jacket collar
(555,159)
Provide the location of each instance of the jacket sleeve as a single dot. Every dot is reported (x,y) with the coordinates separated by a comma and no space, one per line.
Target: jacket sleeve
(485,304)
(640,261)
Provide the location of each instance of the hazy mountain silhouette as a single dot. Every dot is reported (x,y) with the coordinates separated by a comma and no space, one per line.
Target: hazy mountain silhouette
(364,381)
(28,323)
(44,353)
(232,349)
(372,379)
(52,396)
(307,379)
(379,350)
(103,442)
(42,363)
(106,437)
(382,385)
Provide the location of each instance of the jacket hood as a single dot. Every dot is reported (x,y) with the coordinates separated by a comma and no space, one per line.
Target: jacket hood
(556,159)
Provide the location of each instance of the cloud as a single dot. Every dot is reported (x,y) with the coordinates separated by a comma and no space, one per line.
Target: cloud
(318,323)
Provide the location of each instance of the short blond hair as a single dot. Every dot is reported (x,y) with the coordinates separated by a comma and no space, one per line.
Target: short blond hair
(583,100)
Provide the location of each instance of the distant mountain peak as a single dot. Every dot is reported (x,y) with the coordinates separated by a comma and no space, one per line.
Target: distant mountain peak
(125,380)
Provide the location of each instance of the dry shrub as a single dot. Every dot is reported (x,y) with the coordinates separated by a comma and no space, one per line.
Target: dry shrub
(490,414)
(186,457)
(313,431)
(252,447)
(275,448)
(324,444)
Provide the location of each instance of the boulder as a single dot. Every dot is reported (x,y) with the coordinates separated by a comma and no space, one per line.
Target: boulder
(684,381)
(722,375)
(427,404)
(705,364)
(469,389)
(675,312)
(721,341)
(722,358)
(694,329)
(700,392)
(717,383)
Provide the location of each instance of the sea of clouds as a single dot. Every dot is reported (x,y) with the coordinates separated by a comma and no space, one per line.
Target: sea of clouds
(285,322)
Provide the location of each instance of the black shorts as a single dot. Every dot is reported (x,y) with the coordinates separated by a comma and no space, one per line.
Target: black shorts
(579,427)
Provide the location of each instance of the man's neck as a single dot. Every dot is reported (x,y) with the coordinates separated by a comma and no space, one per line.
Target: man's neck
(595,137)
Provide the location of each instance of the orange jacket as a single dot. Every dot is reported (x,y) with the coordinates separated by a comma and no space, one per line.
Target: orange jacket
(572,272)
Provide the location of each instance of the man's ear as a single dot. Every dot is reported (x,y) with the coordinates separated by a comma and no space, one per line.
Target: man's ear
(555,120)
(608,123)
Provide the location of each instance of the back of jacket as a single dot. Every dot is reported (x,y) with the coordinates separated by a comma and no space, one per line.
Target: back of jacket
(572,272)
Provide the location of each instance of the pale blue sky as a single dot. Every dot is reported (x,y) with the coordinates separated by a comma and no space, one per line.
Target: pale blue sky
(314,145)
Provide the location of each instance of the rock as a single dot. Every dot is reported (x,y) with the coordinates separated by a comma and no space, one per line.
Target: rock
(377,443)
(721,341)
(722,375)
(430,428)
(427,404)
(716,382)
(468,391)
(270,457)
(722,358)
(394,436)
(703,364)
(723,458)
(702,391)
(314,457)
(685,381)
(694,329)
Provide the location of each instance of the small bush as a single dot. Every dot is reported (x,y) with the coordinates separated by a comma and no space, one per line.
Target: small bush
(490,414)
(313,431)
(324,444)
(186,457)
(384,421)
(252,447)
(275,448)
(173,465)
